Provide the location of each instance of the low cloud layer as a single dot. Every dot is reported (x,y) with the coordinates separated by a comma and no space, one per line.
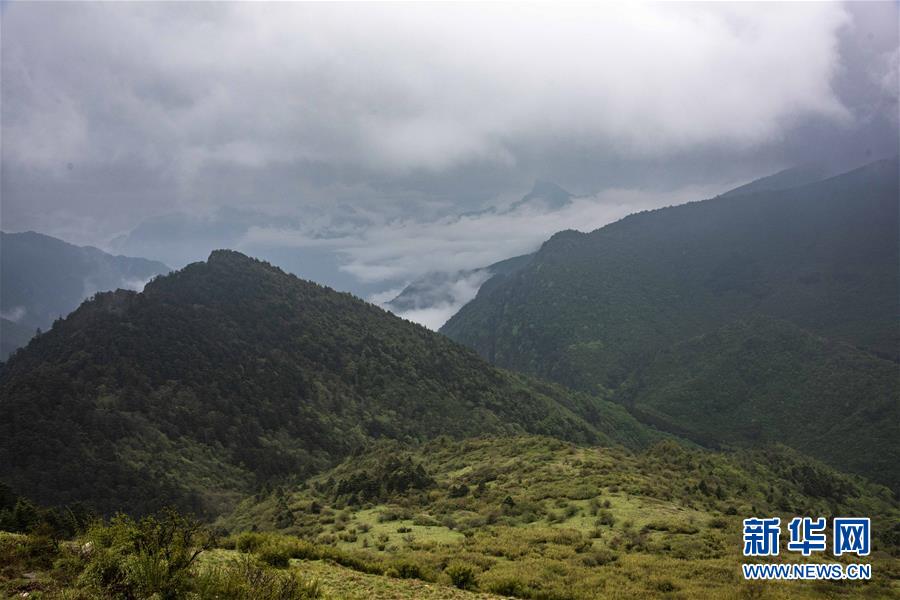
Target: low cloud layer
(358,134)
(409,249)
(403,250)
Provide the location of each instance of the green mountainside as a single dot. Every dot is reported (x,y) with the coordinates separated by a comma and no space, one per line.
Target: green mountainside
(592,310)
(231,373)
(534,517)
(763,381)
(43,278)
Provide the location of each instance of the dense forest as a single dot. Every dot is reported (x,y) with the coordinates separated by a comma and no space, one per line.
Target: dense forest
(230,373)
(616,310)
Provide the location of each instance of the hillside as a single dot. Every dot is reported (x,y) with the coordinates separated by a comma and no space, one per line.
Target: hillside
(231,373)
(525,516)
(763,380)
(535,517)
(43,278)
(591,309)
(792,177)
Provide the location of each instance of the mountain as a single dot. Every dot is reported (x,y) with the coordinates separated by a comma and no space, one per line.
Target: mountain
(784,180)
(441,294)
(544,195)
(231,373)
(436,296)
(43,278)
(590,310)
(179,239)
(765,380)
(533,517)
(528,517)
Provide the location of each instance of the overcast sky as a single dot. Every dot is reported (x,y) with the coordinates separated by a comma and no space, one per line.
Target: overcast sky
(368,129)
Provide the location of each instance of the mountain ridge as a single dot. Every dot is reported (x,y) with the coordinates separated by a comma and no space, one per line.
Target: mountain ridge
(230,373)
(591,309)
(44,278)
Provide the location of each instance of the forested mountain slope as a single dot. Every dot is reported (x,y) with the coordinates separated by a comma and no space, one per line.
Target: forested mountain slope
(591,310)
(230,372)
(763,380)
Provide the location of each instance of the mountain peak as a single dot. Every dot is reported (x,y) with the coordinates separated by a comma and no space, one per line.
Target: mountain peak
(254,374)
(225,255)
(224,259)
(546,194)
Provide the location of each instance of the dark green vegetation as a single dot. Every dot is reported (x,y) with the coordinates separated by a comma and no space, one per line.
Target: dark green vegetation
(230,373)
(156,557)
(525,516)
(342,452)
(20,515)
(619,310)
(761,380)
(43,278)
(540,518)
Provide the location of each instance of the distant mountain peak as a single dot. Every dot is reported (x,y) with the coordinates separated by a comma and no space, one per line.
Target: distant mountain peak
(546,194)
(43,278)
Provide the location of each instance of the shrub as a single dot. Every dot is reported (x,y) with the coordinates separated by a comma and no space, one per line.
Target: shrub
(249,541)
(598,558)
(461,575)
(459,491)
(665,586)
(152,557)
(508,586)
(275,554)
(604,517)
(291,547)
(246,579)
(405,570)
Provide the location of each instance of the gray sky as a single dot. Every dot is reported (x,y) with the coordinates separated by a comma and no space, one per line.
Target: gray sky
(353,136)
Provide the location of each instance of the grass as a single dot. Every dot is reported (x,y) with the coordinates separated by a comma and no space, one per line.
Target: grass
(339,582)
(534,517)
(527,517)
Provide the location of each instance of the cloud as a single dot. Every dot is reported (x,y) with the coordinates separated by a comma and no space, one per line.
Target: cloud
(15,314)
(135,283)
(396,116)
(403,87)
(435,304)
(401,250)
(432,317)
